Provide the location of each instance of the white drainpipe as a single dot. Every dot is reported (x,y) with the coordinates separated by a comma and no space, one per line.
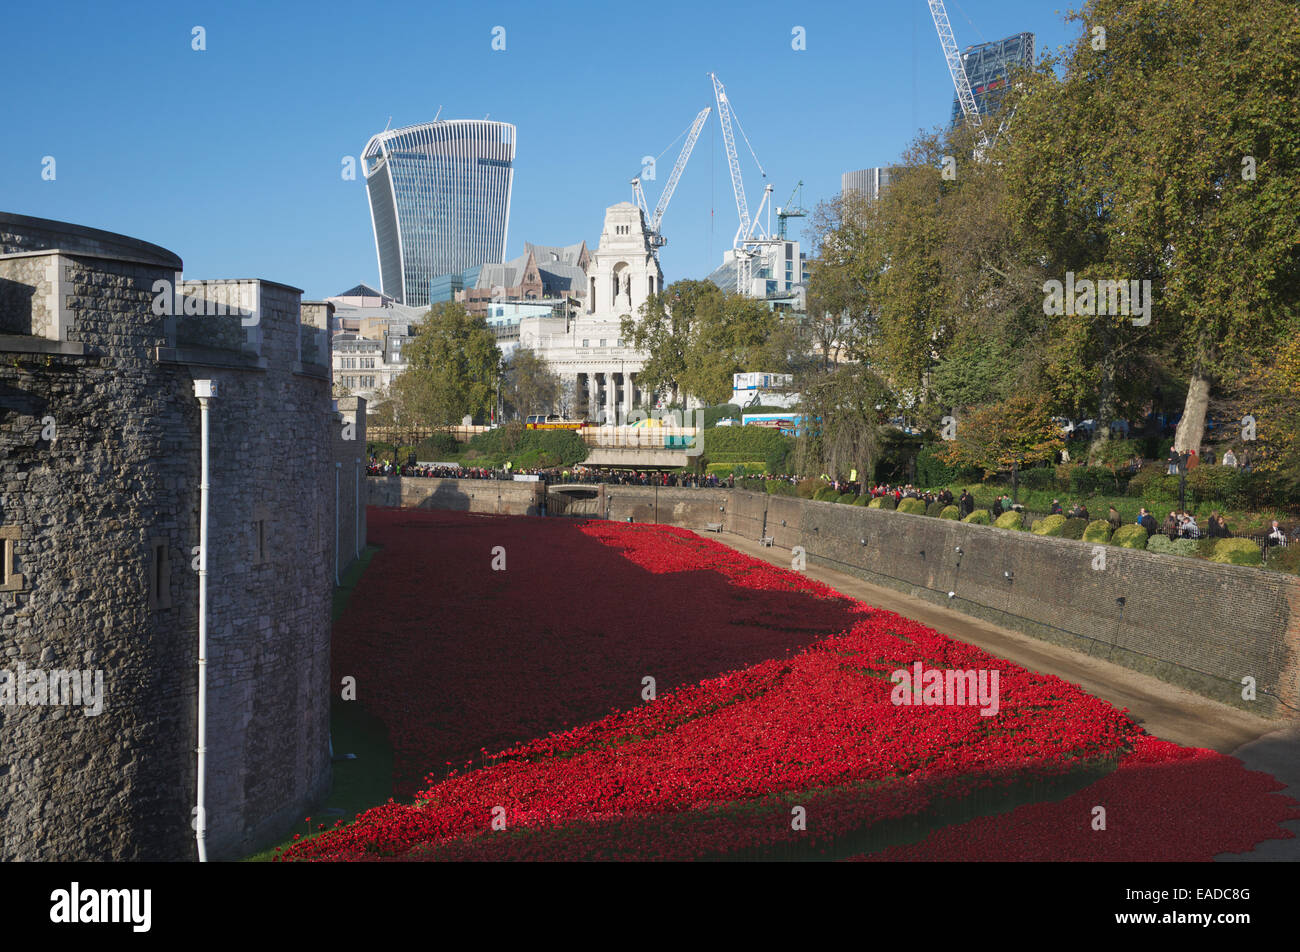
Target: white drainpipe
(337,467)
(204,390)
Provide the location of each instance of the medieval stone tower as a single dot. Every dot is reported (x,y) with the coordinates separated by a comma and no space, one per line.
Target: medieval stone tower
(100,347)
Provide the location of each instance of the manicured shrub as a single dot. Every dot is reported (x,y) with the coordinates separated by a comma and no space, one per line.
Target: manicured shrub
(950,512)
(980,517)
(932,471)
(780,487)
(1166,546)
(1073,528)
(863,500)
(888,502)
(1048,526)
(1152,483)
(847,498)
(1237,552)
(1097,531)
(808,488)
(1285,559)
(826,494)
(439,446)
(914,507)
(1010,520)
(1130,537)
(934,509)
(1085,480)
(877,503)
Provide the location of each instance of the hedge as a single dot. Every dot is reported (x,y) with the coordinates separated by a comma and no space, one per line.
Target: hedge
(1166,546)
(780,487)
(934,509)
(950,512)
(847,498)
(912,506)
(1010,520)
(1074,528)
(826,494)
(1097,531)
(877,502)
(528,448)
(808,488)
(931,471)
(1237,552)
(1130,537)
(1048,526)
(980,517)
(888,502)
(863,500)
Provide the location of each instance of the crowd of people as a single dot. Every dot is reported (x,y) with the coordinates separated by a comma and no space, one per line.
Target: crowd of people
(1177,525)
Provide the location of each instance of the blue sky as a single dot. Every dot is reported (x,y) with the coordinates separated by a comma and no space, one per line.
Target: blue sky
(232,157)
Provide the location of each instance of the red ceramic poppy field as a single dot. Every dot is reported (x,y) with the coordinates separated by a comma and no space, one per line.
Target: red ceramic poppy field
(517,703)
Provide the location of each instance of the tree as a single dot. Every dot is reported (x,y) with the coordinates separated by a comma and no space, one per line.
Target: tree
(697,336)
(1015,432)
(844,412)
(1170,154)
(529,385)
(453,367)
(1269,395)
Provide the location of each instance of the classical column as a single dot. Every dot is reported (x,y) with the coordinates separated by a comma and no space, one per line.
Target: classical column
(611,411)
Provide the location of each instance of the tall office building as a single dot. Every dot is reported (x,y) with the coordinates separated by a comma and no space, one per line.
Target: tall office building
(439,200)
(988,66)
(867,182)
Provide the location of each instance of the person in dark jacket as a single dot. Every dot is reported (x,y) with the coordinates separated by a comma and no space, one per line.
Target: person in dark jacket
(1217,528)
(966,505)
(1148,522)
(1056,508)
(1113,518)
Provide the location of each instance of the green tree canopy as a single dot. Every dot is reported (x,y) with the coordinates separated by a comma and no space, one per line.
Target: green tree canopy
(453,370)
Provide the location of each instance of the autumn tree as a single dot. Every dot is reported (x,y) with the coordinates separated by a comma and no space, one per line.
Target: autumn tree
(453,367)
(1016,432)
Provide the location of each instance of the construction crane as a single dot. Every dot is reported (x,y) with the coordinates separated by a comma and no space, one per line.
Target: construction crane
(657,240)
(745,231)
(789,211)
(957,70)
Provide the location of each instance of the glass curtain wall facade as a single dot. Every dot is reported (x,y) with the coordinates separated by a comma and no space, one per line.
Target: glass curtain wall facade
(439,200)
(987,67)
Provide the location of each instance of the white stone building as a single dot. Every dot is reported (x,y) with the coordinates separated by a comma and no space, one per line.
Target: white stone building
(587,350)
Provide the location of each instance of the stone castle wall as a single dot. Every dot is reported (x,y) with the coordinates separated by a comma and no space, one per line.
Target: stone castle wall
(99,513)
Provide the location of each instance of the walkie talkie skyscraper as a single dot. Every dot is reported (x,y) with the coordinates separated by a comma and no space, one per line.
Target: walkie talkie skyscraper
(439,200)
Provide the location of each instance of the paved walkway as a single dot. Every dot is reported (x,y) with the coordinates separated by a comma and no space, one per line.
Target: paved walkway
(1165,710)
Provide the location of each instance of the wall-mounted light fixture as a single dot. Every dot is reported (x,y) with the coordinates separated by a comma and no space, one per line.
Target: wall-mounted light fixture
(1120,601)
(958,550)
(1008,575)
(863,541)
